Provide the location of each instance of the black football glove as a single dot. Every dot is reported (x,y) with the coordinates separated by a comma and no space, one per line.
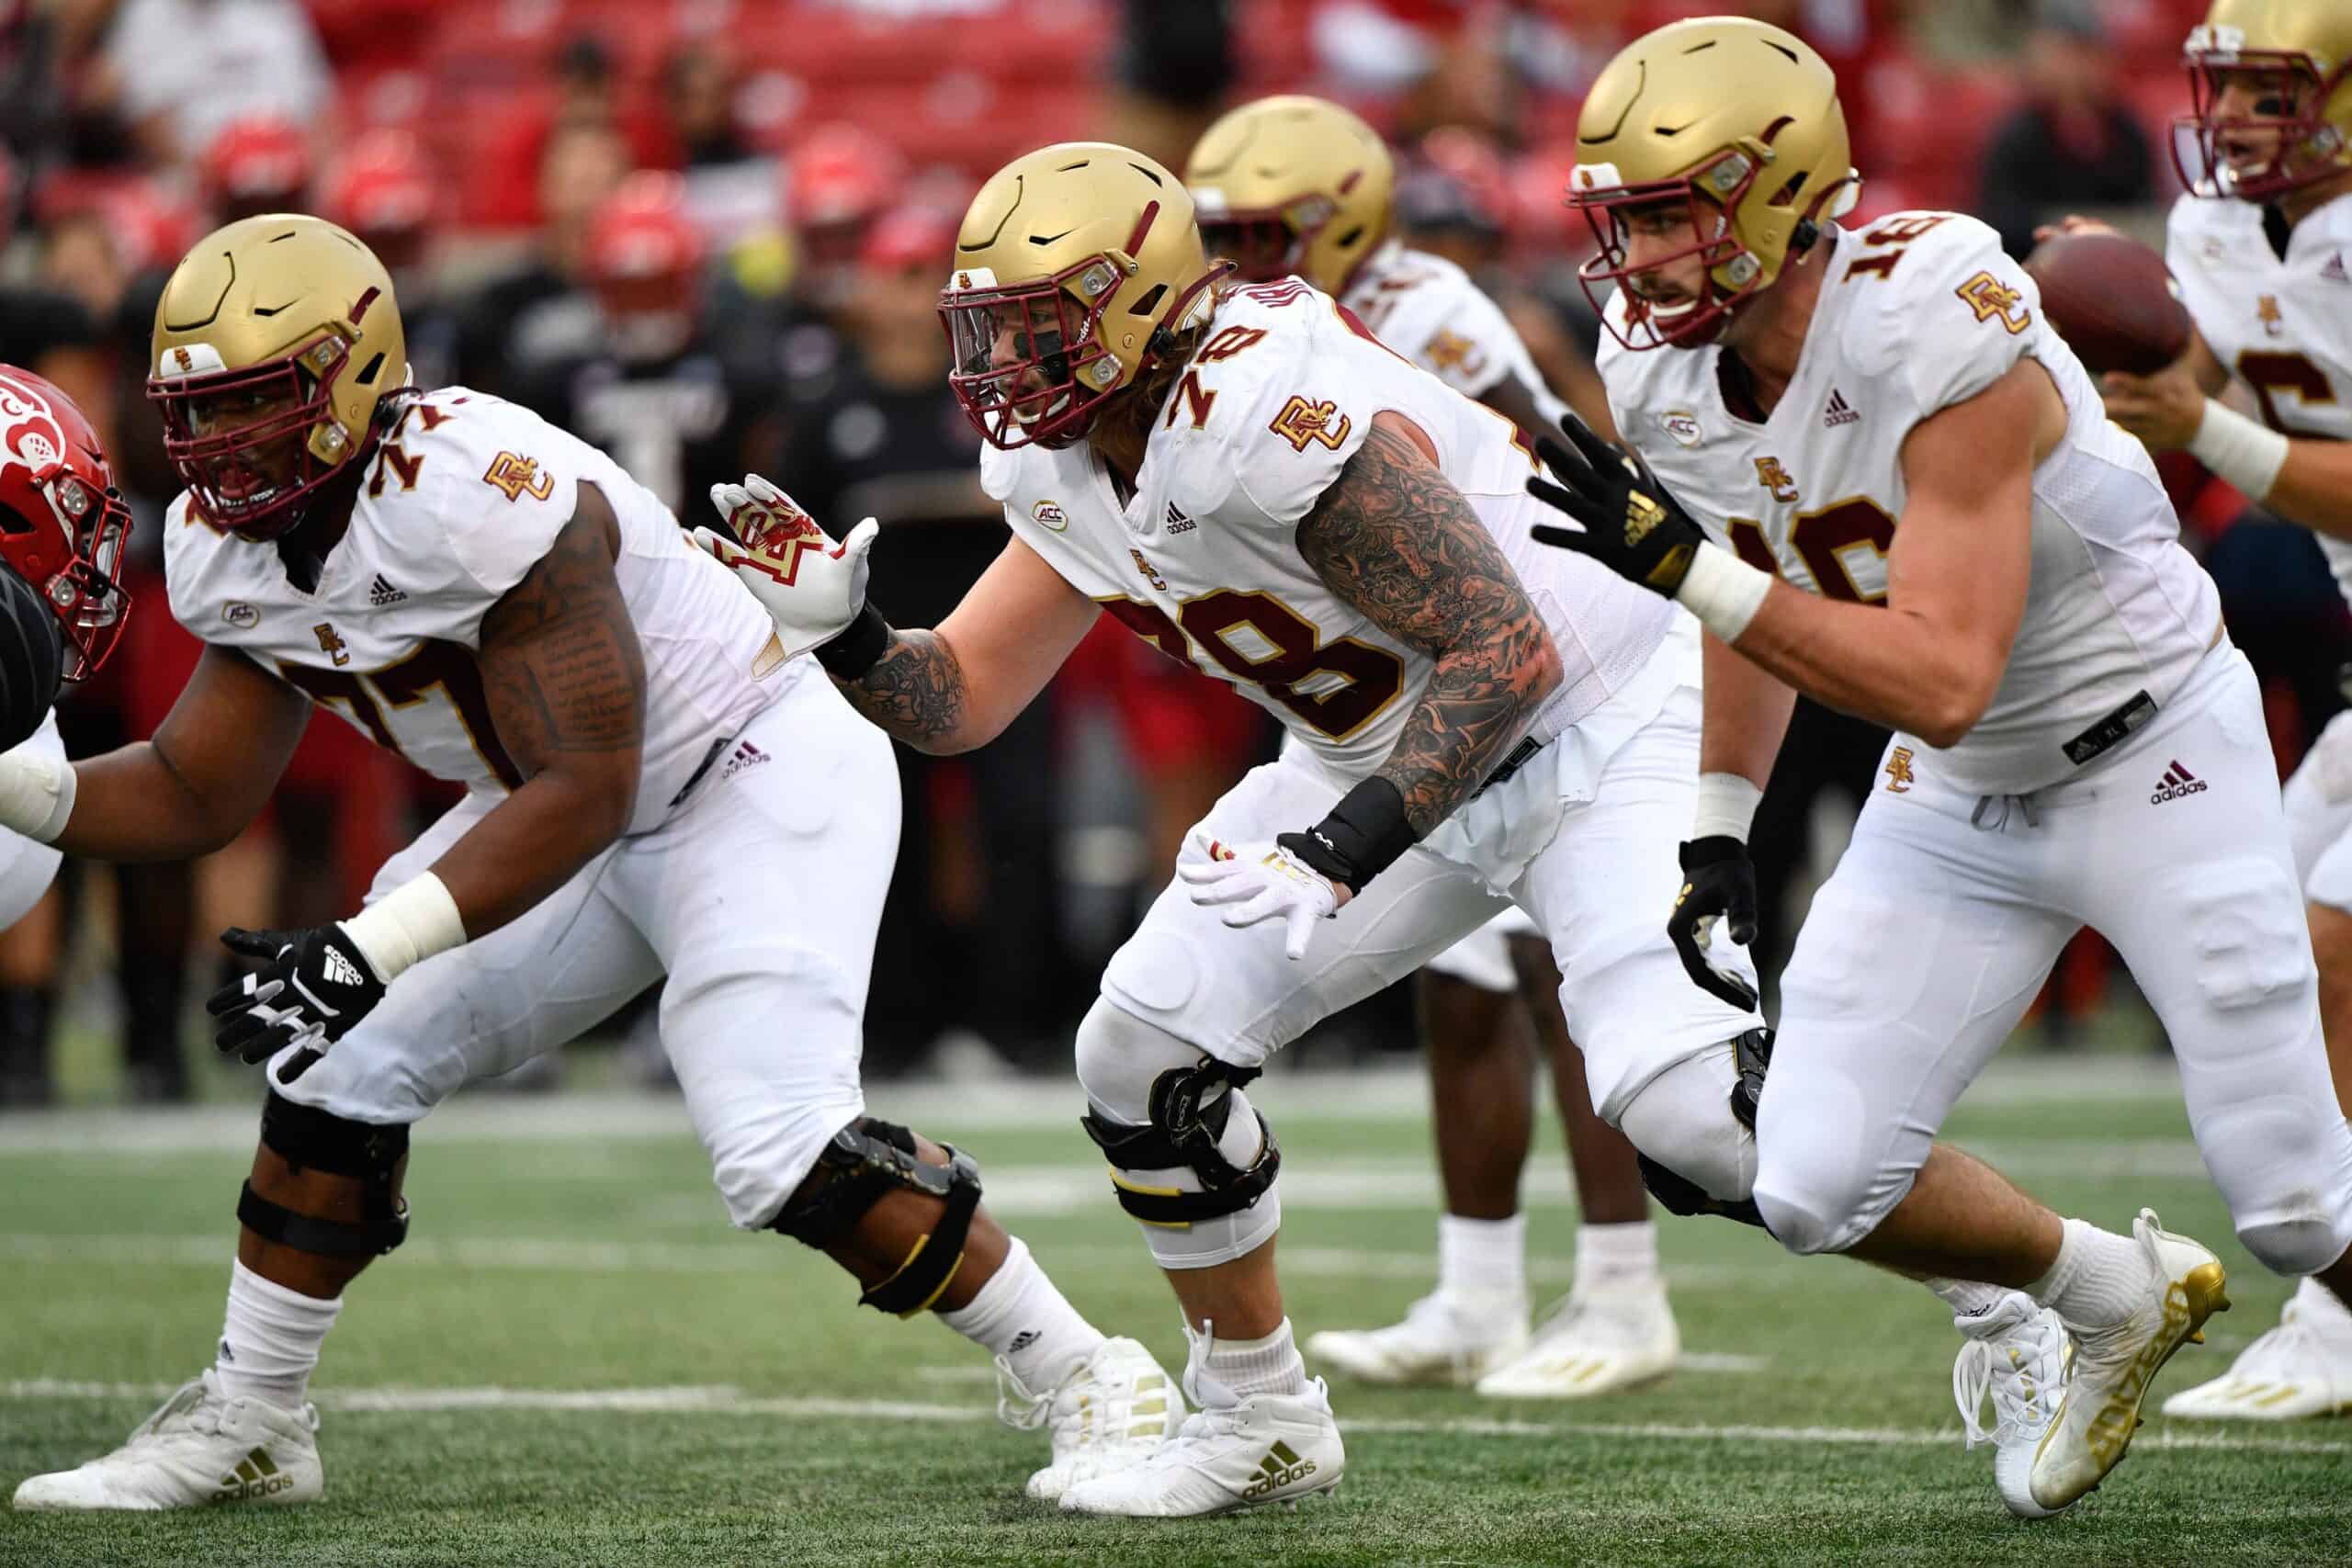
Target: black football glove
(1631,524)
(1718,884)
(311,988)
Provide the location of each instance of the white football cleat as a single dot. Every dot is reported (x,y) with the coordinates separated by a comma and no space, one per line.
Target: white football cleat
(200,1449)
(1601,1341)
(1111,1410)
(1231,1453)
(2016,1354)
(1447,1338)
(2300,1368)
(2113,1366)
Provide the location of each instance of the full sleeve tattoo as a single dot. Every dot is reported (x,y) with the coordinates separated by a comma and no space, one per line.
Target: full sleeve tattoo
(1393,538)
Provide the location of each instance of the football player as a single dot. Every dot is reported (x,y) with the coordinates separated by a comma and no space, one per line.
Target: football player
(1868,465)
(652,790)
(1245,478)
(2259,247)
(63,608)
(1297,186)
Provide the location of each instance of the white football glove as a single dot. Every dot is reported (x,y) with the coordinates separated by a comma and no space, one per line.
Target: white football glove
(811,587)
(1268,883)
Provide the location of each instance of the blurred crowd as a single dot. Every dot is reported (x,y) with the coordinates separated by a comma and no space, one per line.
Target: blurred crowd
(707,235)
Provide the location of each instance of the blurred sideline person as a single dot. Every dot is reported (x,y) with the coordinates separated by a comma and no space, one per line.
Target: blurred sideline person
(653,386)
(1338,534)
(2259,246)
(1905,499)
(1294,186)
(63,609)
(499,602)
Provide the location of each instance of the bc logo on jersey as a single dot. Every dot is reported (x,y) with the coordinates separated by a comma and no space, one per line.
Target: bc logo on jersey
(1898,771)
(516,476)
(1774,477)
(1994,300)
(331,642)
(1302,421)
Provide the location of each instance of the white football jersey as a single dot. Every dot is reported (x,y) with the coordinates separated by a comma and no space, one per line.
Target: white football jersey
(1203,563)
(1918,312)
(1427,310)
(462,498)
(2284,327)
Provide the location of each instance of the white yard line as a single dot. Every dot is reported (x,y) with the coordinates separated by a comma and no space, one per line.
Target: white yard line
(724,1399)
(1392,1094)
(758,1255)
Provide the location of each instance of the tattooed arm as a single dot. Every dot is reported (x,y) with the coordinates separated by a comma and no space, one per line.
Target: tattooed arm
(565,684)
(1396,540)
(957,685)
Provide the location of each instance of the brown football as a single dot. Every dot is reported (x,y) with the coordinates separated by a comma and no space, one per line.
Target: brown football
(2112,300)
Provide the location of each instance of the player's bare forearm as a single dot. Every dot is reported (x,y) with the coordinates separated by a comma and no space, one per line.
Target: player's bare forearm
(917,693)
(206,775)
(1746,714)
(1882,664)
(1395,539)
(2314,486)
(565,682)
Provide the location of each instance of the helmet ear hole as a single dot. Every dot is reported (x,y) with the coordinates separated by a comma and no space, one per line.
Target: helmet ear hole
(13,521)
(366,377)
(1786,196)
(1149,302)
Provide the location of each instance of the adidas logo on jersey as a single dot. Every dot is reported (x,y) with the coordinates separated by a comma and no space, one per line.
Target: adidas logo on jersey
(1280,1466)
(343,972)
(746,755)
(1839,412)
(2177,781)
(1177,522)
(2332,271)
(380,592)
(256,1476)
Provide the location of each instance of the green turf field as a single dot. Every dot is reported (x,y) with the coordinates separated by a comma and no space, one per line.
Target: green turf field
(574,1362)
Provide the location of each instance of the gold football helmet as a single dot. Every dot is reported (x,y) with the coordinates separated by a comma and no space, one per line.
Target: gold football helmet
(1735,117)
(1075,268)
(1293,185)
(275,340)
(2293,61)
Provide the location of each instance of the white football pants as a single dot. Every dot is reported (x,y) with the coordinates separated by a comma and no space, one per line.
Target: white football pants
(758,896)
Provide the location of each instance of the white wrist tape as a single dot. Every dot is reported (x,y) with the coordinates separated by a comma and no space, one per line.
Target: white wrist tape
(2246,453)
(1723,591)
(35,795)
(1728,804)
(410,923)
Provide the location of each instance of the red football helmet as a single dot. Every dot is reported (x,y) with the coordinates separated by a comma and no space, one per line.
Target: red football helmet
(644,259)
(838,178)
(383,191)
(258,164)
(62,523)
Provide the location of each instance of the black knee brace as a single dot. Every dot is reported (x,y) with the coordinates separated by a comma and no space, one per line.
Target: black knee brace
(1751,1058)
(310,1139)
(867,1160)
(1751,1055)
(1184,1132)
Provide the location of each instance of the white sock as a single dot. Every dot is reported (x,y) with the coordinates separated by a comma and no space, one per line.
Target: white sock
(1020,1315)
(2322,1308)
(1616,1257)
(2099,1280)
(270,1344)
(1271,1365)
(1482,1257)
(1967,1298)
